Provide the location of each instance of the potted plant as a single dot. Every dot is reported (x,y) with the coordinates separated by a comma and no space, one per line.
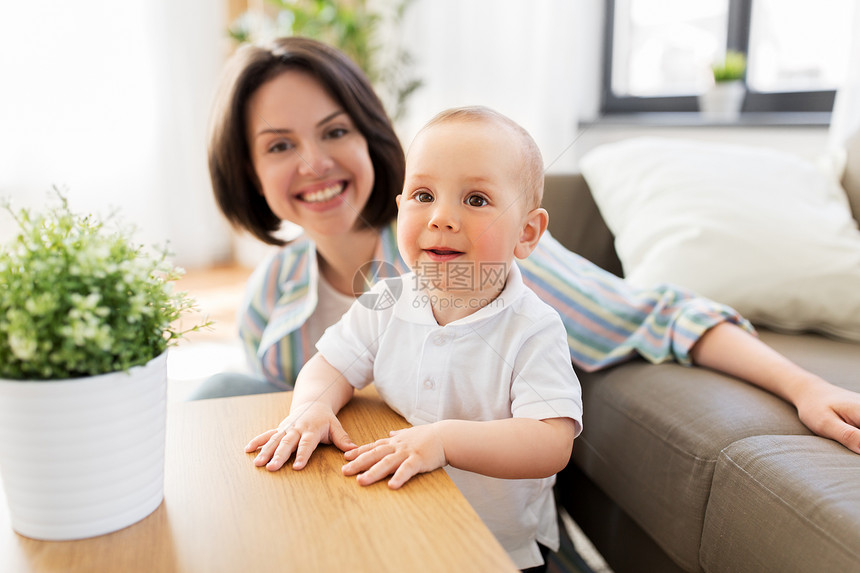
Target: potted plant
(724,99)
(86,317)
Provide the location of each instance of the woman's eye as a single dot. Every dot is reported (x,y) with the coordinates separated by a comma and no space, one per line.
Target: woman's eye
(424,197)
(476,201)
(280,146)
(336,133)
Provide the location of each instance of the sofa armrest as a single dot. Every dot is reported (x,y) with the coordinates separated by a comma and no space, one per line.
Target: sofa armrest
(576,223)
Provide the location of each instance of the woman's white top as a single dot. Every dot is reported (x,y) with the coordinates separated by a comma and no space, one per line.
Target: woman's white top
(331,306)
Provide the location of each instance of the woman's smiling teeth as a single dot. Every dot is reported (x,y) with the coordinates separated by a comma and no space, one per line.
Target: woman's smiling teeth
(325,194)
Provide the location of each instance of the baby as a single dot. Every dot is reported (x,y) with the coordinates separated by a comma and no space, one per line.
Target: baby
(460,347)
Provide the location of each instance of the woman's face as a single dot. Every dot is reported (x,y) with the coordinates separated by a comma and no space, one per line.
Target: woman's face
(312,162)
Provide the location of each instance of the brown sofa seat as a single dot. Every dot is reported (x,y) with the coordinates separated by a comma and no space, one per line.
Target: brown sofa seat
(654,435)
(783,503)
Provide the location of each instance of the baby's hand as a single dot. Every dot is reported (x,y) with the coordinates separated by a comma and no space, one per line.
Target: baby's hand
(300,432)
(406,453)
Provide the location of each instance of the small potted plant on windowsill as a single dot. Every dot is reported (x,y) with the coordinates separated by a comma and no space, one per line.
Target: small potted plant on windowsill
(86,317)
(724,99)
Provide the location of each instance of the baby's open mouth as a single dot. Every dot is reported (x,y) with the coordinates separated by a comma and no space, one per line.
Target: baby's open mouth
(325,194)
(444,252)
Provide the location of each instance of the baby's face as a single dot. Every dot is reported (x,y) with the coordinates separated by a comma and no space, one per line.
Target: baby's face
(463,207)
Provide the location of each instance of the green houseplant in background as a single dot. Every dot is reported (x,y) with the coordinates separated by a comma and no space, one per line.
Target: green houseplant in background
(724,99)
(86,317)
(731,68)
(356,27)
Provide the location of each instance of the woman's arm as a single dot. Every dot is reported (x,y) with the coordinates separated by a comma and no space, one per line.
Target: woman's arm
(609,321)
(321,391)
(827,410)
(513,448)
(670,323)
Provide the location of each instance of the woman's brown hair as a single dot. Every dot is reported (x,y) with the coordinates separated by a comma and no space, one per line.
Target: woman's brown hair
(234,181)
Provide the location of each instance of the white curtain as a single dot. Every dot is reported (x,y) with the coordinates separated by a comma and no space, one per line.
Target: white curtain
(846,110)
(110,100)
(528,60)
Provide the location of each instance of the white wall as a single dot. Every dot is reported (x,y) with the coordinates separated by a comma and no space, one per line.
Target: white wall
(809,142)
(533,61)
(110,100)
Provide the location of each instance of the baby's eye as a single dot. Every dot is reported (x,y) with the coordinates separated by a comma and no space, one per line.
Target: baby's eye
(476,201)
(423,197)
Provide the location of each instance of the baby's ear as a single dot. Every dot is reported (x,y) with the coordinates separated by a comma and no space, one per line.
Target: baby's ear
(397,199)
(533,228)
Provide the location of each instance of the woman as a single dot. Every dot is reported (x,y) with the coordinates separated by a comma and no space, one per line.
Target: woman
(299,135)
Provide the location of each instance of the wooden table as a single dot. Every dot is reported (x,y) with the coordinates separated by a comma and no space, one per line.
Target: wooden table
(222,514)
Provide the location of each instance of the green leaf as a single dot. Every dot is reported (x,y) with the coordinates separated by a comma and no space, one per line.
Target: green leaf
(80,298)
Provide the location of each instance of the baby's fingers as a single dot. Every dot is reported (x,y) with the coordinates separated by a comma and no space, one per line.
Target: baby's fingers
(380,470)
(407,470)
(276,451)
(364,457)
(355,452)
(307,445)
(255,444)
(340,438)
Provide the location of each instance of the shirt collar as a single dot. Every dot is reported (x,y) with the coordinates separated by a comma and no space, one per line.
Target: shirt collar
(413,304)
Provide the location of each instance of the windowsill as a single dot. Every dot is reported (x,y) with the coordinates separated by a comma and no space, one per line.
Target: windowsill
(696,119)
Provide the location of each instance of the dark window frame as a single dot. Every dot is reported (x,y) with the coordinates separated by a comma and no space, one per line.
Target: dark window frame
(740,15)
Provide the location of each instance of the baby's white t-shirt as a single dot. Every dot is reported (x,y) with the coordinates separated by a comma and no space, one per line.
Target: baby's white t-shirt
(508,359)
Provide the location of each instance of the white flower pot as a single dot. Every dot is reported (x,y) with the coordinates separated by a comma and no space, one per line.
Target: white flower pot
(85,456)
(723,101)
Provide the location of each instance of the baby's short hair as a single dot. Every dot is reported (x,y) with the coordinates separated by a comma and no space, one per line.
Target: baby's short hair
(532,161)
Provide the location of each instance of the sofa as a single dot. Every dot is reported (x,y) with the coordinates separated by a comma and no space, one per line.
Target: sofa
(686,469)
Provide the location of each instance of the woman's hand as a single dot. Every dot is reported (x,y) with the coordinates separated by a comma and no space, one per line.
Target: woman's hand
(305,428)
(406,453)
(831,412)
(828,410)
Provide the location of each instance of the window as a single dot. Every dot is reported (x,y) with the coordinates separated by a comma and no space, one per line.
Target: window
(659,52)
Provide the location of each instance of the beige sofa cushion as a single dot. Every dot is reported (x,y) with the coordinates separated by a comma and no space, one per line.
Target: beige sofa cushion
(761,230)
(783,503)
